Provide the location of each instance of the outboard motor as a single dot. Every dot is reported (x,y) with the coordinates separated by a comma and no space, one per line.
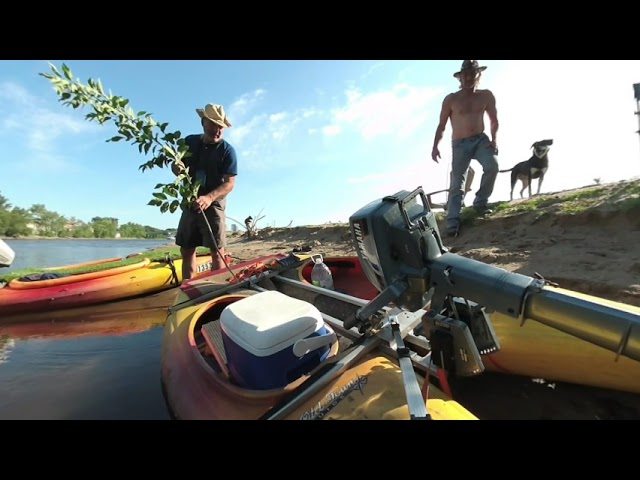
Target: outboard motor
(6,254)
(402,254)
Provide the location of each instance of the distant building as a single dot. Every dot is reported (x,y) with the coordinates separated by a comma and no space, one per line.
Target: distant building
(234,227)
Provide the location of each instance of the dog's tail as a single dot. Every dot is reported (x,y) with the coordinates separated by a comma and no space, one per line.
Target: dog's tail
(502,171)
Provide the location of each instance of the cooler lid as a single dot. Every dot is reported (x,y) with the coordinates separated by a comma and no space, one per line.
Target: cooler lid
(268,322)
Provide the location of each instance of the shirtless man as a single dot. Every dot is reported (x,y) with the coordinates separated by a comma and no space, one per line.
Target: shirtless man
(466,109)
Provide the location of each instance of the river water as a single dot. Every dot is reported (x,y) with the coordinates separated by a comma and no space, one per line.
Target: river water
(53,253)
(107,369)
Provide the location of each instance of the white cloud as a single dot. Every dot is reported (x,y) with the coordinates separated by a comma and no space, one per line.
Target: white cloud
(10,123)
(282,124)
(251,135)
(243,132)
(399,111)
(254,137)
(331,130)
(246,103)
(267,139)
(26,116)
(29,116)
(17,94)
(309,112)
(278,117)
(372,69)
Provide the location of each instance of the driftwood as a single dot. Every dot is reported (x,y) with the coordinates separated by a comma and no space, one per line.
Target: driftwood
(250,224)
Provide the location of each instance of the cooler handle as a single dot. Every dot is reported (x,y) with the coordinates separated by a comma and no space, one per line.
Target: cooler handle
(305,345)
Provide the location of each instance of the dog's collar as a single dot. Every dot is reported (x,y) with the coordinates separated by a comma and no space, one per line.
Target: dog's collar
(545,150)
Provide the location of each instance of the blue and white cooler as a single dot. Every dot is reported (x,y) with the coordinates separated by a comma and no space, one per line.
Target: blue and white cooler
(271,339)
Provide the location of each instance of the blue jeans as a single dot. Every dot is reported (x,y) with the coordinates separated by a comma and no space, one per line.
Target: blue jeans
(464,150)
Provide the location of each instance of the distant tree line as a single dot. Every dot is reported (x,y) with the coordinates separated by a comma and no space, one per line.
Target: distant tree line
(38,221)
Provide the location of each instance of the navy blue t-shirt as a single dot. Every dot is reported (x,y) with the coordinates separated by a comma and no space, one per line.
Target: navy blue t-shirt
(210,162)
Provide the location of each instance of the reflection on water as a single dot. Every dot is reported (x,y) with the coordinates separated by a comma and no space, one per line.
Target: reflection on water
(106,369)
(6,345)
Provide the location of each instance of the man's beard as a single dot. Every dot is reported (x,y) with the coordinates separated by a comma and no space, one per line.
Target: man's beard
(211,138)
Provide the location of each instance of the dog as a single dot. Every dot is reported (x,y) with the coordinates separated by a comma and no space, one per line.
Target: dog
(535,167)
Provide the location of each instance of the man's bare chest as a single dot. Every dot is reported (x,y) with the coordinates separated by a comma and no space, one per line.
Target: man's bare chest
(469,106)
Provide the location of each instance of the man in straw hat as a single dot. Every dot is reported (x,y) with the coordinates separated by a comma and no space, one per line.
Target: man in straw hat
(466,108)
(213,162)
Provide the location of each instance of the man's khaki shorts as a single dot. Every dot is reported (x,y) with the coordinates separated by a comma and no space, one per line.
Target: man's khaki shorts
(193,230)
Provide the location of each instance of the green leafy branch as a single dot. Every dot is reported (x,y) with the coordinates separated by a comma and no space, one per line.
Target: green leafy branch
(167,148)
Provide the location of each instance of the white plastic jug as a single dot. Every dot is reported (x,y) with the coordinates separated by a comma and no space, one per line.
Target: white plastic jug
(321,274)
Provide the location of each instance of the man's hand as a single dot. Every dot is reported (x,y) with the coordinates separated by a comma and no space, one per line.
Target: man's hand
(494,146)
(203,202)
(435,154)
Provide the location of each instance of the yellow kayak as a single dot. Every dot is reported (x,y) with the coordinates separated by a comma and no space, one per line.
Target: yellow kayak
(374,390)
(538,351)
(533,349)
(354,380)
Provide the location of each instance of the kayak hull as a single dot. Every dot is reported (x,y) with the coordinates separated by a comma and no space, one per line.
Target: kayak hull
(194,388)
(57,295)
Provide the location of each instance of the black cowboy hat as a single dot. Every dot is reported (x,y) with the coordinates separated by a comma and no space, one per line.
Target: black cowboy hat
(469,65)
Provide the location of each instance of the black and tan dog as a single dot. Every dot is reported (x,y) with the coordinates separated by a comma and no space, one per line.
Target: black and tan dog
(535,167)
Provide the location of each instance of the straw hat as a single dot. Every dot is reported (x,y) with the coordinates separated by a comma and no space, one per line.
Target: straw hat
(215,113)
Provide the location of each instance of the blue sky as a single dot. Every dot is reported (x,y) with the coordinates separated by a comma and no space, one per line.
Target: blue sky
(316,140)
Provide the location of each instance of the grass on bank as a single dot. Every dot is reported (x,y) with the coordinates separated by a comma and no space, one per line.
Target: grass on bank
(623,196)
